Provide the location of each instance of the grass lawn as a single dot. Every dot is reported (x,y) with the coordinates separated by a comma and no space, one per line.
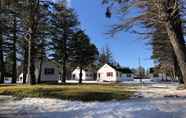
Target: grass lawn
(84,92)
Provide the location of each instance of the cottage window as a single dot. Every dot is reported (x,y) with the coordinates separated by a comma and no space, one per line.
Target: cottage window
(74,76)
(49,71)
(128,75)
(110,74)
(99,75)
(21,78)
(6,79)
(89,75)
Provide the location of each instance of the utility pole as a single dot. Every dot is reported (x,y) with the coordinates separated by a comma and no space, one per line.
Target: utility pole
(140,73)
(28,39)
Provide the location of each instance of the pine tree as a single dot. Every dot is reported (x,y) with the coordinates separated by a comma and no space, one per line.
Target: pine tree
(83,53)
(4,38)
(64,22)
(36,19)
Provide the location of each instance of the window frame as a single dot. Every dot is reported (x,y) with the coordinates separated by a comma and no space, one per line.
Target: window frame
(110,74)
(49,71)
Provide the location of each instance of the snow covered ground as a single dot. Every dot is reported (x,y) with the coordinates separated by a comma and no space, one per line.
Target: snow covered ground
(52,108)
(124,80)
(152,100)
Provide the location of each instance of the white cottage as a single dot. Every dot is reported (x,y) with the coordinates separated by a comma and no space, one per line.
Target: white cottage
(50,72)
(108,73)
(87,74)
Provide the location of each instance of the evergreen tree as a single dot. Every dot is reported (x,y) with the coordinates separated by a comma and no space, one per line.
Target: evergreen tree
(4,38)
(36,20)
(64,22)
(83,53)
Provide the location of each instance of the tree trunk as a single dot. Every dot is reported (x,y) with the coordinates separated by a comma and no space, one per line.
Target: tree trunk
(14,66)
(80,75)
(40,70)
(64,58)
(32,63)
(2,65)
(166,77)
(162,77)
(64,71)
(180,77)
(32,72)
(175,34)
(25,65)
(178,72)
(32,25)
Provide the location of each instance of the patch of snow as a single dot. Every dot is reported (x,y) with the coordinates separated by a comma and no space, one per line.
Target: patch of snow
(150,101)
(8,80)
(138,81)
(124,78)
(88,82)
(159,90)
(53,108)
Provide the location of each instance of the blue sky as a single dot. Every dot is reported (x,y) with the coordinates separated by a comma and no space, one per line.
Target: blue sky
(126,47)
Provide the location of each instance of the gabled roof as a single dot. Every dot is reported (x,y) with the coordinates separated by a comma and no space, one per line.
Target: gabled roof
(37,62)
(108,66)
(86,69)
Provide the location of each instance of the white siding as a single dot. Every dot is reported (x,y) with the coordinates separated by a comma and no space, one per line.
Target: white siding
(86,75)
(45,77)
(20,78)
(50,77)
(103,71)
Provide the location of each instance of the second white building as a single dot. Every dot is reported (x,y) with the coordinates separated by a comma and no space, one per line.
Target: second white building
(108,73)
(87,75)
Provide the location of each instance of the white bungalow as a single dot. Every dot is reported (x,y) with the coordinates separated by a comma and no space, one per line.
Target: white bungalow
(50,72)
(108,73)
(87,75)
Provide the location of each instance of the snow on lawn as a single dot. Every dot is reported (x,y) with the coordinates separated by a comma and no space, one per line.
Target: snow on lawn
(154,102)
(159,90)
(52,108)
(76,81)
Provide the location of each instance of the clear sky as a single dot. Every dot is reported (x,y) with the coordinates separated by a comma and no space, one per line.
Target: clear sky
(126,47)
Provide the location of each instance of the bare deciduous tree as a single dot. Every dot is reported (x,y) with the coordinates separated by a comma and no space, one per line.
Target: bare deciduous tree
(168,13)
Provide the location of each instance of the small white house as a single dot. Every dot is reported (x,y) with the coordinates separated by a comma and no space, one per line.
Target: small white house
(20,78)
(108,73)
(87,75)
(50,72)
